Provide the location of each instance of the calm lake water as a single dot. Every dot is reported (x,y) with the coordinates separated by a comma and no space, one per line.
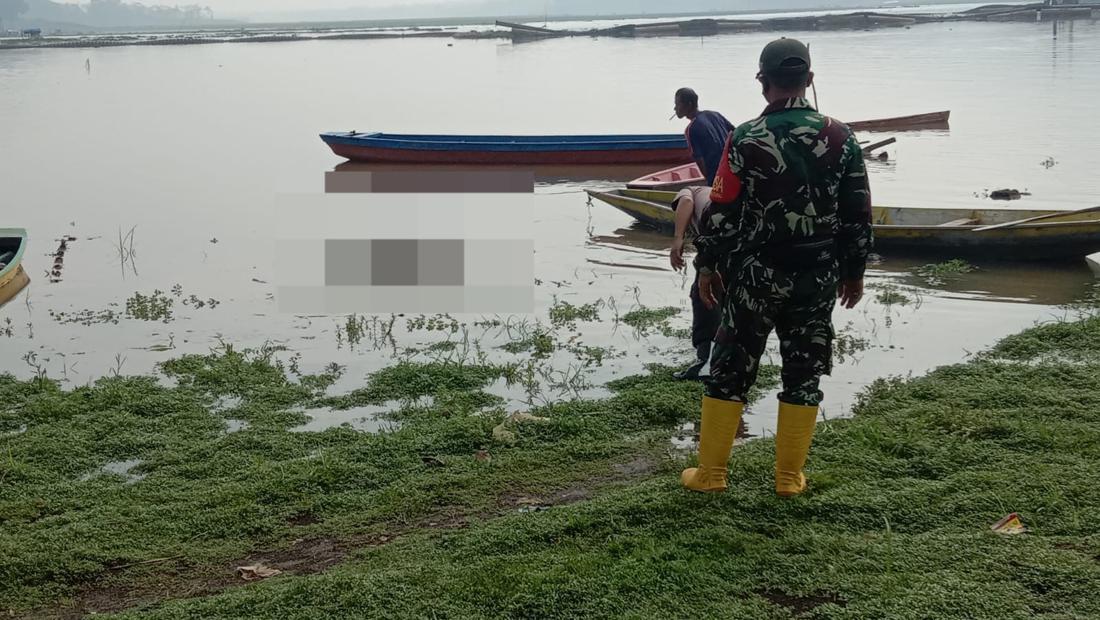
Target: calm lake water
(189,146)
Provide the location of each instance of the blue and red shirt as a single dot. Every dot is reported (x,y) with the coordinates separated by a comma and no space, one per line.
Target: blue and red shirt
(706,138)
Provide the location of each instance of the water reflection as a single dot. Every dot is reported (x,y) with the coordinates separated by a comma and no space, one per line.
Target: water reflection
(555,175)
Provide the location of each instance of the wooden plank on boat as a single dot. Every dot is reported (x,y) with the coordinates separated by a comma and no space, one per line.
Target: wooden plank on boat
(965,221)
(1039,218)
(898,123)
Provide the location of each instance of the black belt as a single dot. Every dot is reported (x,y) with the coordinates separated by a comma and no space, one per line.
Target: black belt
(802,254)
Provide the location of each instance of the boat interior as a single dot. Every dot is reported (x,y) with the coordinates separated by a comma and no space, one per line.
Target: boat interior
(9,247)
(922,216)
(956,218)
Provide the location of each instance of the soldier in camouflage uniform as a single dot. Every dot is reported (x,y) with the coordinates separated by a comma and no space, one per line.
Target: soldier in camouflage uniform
(789,233)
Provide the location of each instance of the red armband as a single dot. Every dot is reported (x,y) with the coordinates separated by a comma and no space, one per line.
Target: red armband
(727,185)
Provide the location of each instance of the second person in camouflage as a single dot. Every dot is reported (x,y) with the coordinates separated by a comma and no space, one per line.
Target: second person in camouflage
(789,232)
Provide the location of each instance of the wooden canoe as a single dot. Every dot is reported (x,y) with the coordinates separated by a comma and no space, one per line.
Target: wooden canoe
(13,278)
(671,179)
(380,147)
(916,230)
(521,150)
(932,120)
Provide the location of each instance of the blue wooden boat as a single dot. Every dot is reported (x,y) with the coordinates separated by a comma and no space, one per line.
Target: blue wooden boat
(523,150)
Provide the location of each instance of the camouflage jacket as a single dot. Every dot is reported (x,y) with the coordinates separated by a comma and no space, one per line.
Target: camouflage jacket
(798,177)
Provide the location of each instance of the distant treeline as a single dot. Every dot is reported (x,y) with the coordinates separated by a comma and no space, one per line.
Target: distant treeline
(100,14)
(572,8)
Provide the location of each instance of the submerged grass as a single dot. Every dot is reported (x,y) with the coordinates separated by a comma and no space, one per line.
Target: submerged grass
(896,523)
(208,496)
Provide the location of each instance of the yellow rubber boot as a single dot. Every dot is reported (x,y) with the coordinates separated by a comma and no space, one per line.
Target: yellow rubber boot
(793,435)
(716,433)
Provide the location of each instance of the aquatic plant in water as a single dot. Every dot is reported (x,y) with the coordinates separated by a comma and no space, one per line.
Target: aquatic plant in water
(565,314)
(940,273)
(643,319)
(891,295)
(154,307)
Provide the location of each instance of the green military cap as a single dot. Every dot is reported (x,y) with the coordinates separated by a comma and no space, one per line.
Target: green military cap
(784,56)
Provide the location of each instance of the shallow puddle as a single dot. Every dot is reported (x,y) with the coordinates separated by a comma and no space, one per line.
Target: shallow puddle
(366,419)
(13,433)
(235,426)
(118,468)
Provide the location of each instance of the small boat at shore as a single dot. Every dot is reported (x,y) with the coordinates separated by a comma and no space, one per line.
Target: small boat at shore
(675,178)
(1093,261)
(931,120)
(13,278)
(918,230)
(521,150)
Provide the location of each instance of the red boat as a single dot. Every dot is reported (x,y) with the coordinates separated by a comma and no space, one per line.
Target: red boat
(670,179)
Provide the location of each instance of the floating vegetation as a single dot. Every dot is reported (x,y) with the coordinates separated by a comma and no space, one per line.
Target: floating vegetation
(848,342)
(375,331)
(157,306)
(643,319)
(681,333)
(53,274)
(940,273)
(87,317)
(891,295)
(154,307)
(195,302)
(446,346)
(434,323)
(6,328)
(565,314)
(539,342)
(594,356)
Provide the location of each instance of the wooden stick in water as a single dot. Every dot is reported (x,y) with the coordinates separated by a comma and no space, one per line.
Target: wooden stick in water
(878,145)
(1048,216)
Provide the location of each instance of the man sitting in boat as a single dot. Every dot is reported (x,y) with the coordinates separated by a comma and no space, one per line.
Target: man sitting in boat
(690,203)
(706,133)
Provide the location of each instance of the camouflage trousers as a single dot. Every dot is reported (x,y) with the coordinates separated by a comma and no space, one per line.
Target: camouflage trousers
(704,323)
(798,303)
